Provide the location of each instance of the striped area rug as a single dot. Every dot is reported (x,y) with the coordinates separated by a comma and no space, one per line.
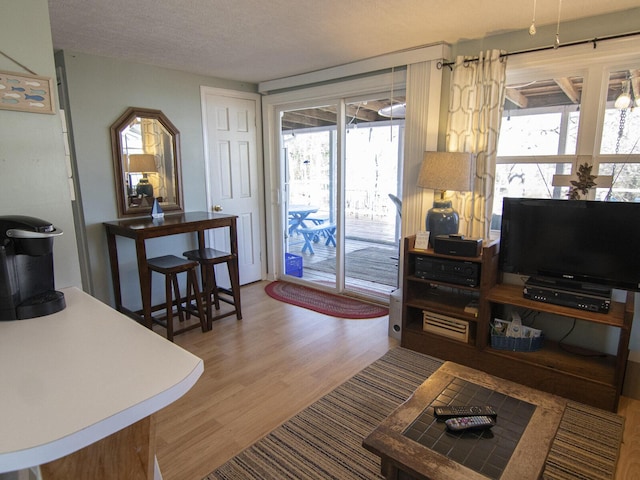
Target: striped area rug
(586,445)
(324,441)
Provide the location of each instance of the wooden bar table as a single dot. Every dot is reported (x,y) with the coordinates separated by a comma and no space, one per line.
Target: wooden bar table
(144,228)
(79,390)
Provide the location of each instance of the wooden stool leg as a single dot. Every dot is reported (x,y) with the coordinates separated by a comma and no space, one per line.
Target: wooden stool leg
(214,287)
(192,286)
(232,265)
(206,282)
(191,294)
(167,284)
(149,277)
(176,293)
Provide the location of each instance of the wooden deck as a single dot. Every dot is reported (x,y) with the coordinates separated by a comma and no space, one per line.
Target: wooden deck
(360,233)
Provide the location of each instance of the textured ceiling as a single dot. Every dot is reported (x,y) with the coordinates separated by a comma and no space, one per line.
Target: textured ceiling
(259,40)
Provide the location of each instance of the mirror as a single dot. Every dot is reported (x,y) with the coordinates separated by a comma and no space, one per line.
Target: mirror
(146,156)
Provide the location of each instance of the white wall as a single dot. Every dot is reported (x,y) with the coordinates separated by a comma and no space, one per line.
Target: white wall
(33,174)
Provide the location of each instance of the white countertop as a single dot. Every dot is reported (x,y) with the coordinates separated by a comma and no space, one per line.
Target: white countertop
(74,377)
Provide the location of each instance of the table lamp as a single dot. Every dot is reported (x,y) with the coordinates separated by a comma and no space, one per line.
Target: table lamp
(144,163)
(444,171)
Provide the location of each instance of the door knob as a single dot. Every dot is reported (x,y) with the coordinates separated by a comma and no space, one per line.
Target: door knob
(217,208)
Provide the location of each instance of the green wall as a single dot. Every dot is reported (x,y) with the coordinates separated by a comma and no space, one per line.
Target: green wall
(100,89)
(33,172)
(584,29)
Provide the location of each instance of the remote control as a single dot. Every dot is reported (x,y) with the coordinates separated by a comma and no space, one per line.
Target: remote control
(469,423)
(453,411)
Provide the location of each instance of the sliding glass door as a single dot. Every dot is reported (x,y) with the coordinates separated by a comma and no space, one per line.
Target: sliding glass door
(341,165)
(373,149)
(309,144)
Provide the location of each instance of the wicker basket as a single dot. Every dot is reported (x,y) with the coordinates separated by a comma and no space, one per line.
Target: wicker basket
(502,342)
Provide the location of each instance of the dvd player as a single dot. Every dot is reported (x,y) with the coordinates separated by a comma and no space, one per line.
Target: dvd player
(593,298)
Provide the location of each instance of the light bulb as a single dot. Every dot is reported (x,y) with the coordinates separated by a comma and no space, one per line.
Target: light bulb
(623,101)
(532,28)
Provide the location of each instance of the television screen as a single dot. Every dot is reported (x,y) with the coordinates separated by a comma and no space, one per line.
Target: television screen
(573,240)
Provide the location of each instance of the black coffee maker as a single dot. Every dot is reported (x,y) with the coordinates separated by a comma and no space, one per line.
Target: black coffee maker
(26,268)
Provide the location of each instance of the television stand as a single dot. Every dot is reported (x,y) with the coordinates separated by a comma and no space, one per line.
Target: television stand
(583,296)
(586,375)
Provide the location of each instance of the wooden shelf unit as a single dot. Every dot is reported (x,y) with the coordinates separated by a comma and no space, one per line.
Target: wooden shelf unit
(586,376)
(444,298)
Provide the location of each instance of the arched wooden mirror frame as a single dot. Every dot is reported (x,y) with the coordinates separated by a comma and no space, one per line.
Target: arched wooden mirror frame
(159,146)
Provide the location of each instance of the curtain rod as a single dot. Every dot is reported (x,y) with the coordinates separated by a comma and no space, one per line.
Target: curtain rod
(550,47)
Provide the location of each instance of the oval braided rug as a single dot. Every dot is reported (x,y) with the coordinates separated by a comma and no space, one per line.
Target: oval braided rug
(323,302)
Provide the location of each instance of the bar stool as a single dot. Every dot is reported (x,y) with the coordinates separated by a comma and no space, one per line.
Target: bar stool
(170,266)
(208,258)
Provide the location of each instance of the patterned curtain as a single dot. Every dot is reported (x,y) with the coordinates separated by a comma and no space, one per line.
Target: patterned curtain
(475,112)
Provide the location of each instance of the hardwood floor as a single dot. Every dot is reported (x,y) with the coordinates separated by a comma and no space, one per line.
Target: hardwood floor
(259,371)
(263,369)
(629,461)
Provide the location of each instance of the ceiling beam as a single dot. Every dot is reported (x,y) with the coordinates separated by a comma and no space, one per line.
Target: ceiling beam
(326,115)
(515,97)
(292,120)
(635,83)
(362,112)
(569,90)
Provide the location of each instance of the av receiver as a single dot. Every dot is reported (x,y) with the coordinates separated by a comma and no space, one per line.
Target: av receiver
(449,271)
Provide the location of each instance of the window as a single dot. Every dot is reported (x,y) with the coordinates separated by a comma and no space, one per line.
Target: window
(562,114)
(621,138)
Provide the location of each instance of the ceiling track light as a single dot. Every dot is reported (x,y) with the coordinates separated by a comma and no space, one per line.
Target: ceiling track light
(398,110)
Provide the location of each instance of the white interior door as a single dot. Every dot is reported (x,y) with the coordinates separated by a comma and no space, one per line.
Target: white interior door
(233,178)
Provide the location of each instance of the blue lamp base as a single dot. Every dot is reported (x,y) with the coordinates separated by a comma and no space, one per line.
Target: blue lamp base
(441,219)
(144,188)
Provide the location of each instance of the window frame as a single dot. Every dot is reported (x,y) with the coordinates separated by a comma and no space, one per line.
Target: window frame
(594,65)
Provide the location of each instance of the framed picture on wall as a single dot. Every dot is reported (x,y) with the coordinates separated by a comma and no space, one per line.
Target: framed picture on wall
(26,93)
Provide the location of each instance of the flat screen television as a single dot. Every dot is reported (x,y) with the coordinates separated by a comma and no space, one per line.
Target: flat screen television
(586,242)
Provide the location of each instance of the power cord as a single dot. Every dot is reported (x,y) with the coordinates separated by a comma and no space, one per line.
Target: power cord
(564,348)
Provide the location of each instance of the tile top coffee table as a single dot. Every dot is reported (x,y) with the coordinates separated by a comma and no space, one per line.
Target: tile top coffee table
(412,442)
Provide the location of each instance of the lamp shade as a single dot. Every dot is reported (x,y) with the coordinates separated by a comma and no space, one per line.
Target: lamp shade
(143,162)
(446,171)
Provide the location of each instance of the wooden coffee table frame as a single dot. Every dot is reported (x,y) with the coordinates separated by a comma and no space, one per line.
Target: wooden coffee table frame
(399,453)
